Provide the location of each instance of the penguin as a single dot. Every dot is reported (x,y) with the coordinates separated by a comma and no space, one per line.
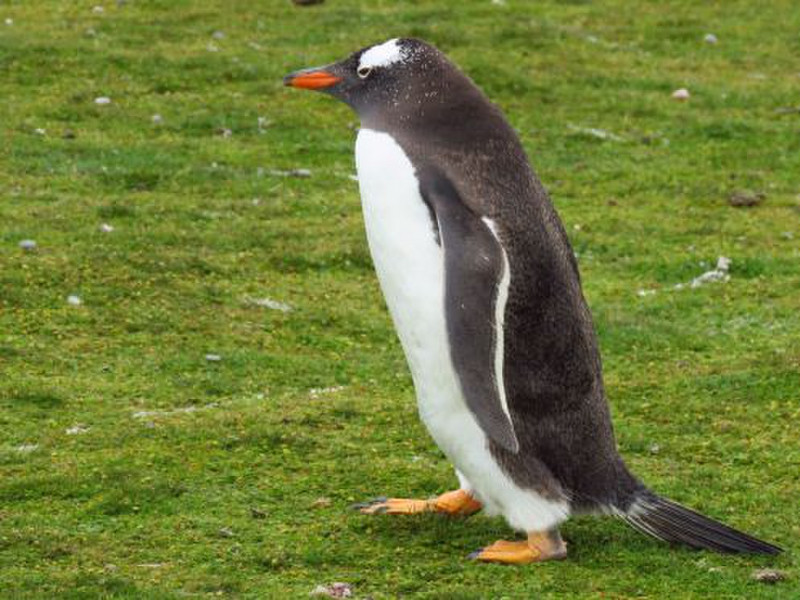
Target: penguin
(484,292)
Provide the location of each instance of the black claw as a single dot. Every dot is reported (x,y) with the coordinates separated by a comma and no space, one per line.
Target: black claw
(368,503)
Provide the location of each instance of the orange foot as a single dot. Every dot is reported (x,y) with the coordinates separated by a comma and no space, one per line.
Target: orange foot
(457,503)
(539,547)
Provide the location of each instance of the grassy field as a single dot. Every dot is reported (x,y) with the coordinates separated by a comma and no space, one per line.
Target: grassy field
(169,433)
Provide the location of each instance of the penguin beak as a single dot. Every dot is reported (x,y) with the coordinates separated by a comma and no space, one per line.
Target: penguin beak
(316,78)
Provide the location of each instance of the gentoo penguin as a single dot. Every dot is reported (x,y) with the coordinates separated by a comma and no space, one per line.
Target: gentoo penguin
(484,291)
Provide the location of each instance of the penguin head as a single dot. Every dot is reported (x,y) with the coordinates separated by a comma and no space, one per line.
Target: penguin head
(383,82)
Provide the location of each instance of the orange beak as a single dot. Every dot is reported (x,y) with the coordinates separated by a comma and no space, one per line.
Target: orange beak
(313,79)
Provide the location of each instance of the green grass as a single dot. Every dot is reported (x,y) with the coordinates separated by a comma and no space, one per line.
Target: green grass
(222,499)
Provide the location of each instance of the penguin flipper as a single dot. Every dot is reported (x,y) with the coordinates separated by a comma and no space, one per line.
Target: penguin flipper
(476,287)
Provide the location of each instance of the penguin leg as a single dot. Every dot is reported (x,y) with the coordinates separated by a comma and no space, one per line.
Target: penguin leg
(456,503)
(539,547)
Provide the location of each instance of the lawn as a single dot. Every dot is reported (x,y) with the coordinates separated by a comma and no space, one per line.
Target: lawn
(198,374)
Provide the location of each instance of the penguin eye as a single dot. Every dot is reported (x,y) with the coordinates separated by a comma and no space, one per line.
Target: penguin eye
(364,72)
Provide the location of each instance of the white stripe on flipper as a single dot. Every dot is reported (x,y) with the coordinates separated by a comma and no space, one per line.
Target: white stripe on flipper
(382,55)
(500,321)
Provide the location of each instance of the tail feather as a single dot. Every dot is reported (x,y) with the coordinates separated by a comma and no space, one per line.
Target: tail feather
(671,522)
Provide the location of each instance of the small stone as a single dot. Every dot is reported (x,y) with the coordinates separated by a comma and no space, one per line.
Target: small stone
(157,119)
(681,95)
(768,575)
(213,357)
(269,303)
(40,131)
(212,48)
(225,132)
(28,244)
(106,228)
(27,448)
(746,198)
(102,100)
(290,173)
(218,35)
(9,22)
(77,430)
(226,532)
(710,38)
(257,513)
(654,448)
(98,10)
(334,590)
(321,502)
(74,300)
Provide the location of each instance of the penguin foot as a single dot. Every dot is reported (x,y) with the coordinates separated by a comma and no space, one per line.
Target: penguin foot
(456,503)
(539,547)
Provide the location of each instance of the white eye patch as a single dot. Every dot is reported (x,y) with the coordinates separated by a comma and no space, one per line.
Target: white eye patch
(382,55)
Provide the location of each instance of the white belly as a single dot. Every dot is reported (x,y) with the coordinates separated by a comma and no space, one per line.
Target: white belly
(410,268)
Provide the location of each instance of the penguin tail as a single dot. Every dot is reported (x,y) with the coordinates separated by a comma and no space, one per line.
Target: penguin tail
(668,521)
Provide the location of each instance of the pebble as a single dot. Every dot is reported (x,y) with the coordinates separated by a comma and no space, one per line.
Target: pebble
(710,38)
(74,300)
(213,357)
(157,119)
(39,131)
(334,590)
(257,513)
(269,303)
(28,244)
(680,94)
(746,198)
(218,35)
(9,22)
(769,575)
(77,430)
(106,228)
(101,100)
(290,173)
(98,10)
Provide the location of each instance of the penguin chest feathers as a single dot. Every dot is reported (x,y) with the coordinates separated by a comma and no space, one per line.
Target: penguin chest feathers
(408,260)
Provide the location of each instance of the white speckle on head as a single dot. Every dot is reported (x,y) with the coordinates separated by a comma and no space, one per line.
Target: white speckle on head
(382,55)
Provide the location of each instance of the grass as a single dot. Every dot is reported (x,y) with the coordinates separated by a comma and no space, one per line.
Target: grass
(233,477)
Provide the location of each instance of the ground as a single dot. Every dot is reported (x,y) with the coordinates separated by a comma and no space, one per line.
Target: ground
(169,433)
